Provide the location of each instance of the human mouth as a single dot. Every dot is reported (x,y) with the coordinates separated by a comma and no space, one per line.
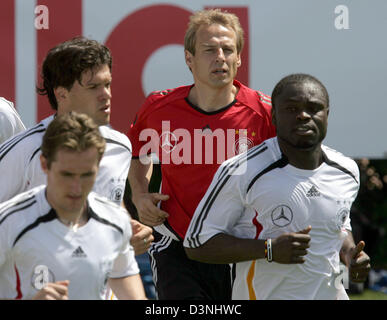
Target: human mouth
(220,71)
(105,108)
(74,197)
(304,130)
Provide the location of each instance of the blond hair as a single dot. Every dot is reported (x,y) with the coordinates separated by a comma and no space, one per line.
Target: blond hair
(209,17)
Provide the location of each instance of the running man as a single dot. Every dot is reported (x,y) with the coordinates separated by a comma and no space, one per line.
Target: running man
(285,222)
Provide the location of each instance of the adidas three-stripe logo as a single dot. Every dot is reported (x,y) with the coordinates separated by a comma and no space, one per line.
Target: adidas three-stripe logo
(313,192)
(79,253)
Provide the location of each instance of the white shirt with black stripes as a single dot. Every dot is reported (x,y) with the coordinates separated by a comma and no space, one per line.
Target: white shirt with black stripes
(41,249)
(10,122)
(269,197)
(20,168)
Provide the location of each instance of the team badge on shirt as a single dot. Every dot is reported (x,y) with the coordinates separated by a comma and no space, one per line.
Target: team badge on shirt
(282,216)
(117,190)
(117,194)
(341,218)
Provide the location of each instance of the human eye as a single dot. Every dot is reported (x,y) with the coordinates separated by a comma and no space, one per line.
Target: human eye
(87,174)
(291,108)
(92,86)
(66,174)
(315,107)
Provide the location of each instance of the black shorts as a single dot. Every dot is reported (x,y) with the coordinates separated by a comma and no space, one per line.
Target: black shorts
(176,277)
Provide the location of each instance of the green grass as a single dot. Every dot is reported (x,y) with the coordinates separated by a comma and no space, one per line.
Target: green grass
(368,295)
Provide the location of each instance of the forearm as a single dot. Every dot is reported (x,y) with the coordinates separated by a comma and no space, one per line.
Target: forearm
(128,288)
(139,177)
(223,248)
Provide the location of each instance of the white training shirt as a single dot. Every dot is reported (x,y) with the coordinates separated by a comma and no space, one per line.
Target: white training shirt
(268,197)
(10,122)
(42,249)
(20,163)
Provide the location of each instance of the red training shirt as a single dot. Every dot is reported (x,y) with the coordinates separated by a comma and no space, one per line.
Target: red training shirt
(192,143)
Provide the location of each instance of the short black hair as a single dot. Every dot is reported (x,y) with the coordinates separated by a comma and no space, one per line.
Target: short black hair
(66,62)
(297,78)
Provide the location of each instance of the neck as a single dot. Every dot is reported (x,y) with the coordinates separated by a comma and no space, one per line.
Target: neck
(77,219)
(72,218)
(307,159)
(210,99)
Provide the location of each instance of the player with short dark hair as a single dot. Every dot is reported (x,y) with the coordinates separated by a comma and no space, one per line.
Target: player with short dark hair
(76,76)
(63,241)
(193,129)
(285,222)
(66,63)
(297,78)
(89,93)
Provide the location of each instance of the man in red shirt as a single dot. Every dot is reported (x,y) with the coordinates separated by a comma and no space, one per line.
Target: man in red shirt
(192,130)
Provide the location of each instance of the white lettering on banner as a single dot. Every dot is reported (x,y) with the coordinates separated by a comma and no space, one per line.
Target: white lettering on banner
(342,20)
(41,21)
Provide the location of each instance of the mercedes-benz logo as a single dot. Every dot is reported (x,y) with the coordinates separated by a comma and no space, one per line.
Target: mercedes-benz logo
(168,141)
(282,216)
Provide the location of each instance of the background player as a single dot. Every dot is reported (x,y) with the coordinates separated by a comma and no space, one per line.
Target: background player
(10,122)
(76,76)
(64,232)
(292,183)
(215,104)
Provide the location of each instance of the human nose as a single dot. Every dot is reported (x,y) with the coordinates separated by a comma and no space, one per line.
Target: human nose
(106,93)
(220,57)
(303,115)
(76,186)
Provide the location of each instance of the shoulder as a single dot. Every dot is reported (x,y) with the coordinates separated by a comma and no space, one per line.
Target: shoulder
(115,137)
(24,144)
(255,100)
(22,209)
(340,161)
(253,97)
(159,99)
(6,107)
(108,212)
(244,167)
(168,94)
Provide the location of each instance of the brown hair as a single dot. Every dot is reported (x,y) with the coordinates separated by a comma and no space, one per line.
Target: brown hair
(71,131)
(209,17)
(66,62)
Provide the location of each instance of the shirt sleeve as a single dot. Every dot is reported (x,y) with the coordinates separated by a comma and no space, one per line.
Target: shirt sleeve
(143,137)
(12,171)
(4,239)
(125,264)
(10,123)
(355,170)
(220,208)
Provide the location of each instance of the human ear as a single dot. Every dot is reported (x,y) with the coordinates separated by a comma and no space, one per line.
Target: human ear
(188,58)
(43,163)
(239,61)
